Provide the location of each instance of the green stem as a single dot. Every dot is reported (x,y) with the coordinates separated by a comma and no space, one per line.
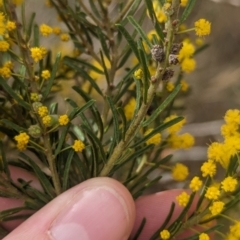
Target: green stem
(52,164)
(136,123)
(124,11)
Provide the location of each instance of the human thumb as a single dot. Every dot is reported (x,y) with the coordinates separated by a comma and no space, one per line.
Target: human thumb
(99,208)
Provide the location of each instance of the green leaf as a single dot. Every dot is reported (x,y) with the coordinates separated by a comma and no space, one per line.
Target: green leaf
(36,35)
(14,95)
(62,139)
(137,234)
(124,122)
(30,26)
(47,186)
(146,74)
(165,103)
(78,110)
(14,126)
(125,58)
(67,169)
(166,221)
(157,24)
(158,129)
(140,31)
(145,186)
(215,228)
(85,76)
(138,95)
(53,109)
(129,39)
(94,8)
(187,11)
(103,40)
(68,61)
(132,11)
(53,75)
(105,68)
(116,135)
(97,141)
(139,152)
(3,160)
(145,175)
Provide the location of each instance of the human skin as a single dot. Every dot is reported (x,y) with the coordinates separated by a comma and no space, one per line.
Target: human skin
(99,208)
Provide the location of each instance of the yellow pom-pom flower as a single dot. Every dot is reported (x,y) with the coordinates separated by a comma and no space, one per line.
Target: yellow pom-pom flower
(4,46)
(183,199)
(64,37)
(130,108)
(216,208)
(208,168)
(42,111)
(45,74)
(204,236)
(229,184)
(11,26)
(183,3)
(202,27)
(184,86)
(212,193)
(2,24)
(63,120)
(177,126)
(47,120)
(57,30)
(22,141)
(165,234)
(45,30)
(170,86)
(186,51)
(232,116)
(38,53)
(188,65)
(155,139)
(195,184)
(138,74)
(78,146)
(180,172)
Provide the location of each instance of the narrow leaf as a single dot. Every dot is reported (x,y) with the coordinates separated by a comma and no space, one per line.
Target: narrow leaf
(97,141)
(156,113)
(158,129)
(105,68)
(47,186)
(140,31)
(116,135)
(129,39)
(14,126)
(85,76)
(14,95)
(66,170)
(53,75)
(103,41)
(187,11)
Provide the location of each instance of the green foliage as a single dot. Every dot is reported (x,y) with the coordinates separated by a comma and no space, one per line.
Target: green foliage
(121,77)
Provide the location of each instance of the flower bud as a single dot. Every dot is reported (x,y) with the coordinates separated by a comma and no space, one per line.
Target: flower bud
(168,74)
(157,53)
(35,131)
(173,59)
(176,47)
(36,105)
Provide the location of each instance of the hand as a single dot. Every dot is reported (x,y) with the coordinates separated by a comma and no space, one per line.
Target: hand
(97,209)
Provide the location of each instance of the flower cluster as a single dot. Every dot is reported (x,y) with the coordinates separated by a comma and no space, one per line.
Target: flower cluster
(22,141)
(38,53)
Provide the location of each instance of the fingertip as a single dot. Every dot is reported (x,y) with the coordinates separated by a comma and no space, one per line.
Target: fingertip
(155,208)
(99,208)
